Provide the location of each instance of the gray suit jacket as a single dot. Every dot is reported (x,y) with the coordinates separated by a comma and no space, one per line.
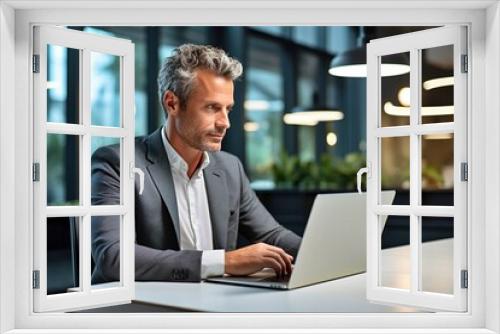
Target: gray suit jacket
(234,208)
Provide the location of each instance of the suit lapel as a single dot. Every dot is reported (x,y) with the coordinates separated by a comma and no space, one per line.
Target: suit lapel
(217,202)
(162,177)
(215,184)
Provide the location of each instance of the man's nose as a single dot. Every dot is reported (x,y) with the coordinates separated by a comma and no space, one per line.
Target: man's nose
(223,120)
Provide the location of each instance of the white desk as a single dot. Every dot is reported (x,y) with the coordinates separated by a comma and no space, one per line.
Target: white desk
(343,295)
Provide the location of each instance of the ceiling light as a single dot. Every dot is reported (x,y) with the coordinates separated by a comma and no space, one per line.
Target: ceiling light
(352,63)
(393,110)
(404,96)
(438,136)
(256,105)
(311,118)
(251,126)
(360,70)
(331,139)
(438,82)
(53,85)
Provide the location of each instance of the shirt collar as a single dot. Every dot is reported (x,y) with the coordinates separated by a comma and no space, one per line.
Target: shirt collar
(176,161)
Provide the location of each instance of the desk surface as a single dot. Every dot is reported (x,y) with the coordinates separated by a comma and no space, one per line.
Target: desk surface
(344,295)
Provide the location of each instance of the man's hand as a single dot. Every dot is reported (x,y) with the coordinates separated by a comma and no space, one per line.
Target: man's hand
(250,259)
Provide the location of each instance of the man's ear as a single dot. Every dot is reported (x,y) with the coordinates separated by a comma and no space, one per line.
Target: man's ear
(171,103)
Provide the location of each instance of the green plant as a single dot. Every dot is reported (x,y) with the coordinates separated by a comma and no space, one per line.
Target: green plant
(284,172)
(328,173)
(432,176)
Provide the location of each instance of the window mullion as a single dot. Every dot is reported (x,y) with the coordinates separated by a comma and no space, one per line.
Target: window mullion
(127,221)
(415,179)
(85,242)
(40,156)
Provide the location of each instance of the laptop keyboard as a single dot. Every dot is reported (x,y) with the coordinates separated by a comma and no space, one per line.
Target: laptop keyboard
(283,279)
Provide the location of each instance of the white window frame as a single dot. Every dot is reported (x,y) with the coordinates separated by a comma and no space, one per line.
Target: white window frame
(86,43)
(16,19)
(413,43)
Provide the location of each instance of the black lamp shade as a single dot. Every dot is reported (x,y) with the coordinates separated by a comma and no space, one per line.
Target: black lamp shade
(352,63)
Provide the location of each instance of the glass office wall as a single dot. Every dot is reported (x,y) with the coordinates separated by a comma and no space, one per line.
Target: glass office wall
(284,68)
(172,37)
(310,36)
(307,98)
(263,109)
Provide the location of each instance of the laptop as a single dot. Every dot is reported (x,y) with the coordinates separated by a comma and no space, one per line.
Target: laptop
(333,245)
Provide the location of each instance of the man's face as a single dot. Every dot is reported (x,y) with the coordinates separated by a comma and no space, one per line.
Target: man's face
(204,121)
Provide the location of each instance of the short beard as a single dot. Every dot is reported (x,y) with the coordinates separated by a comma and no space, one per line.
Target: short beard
(195,140)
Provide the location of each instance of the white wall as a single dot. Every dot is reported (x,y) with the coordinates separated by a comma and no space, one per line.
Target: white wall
(7,142)
(493,165)
(7,175)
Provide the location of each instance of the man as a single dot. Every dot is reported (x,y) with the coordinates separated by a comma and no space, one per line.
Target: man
(196,199)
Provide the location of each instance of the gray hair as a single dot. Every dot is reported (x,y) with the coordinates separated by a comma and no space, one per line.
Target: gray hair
(177,72)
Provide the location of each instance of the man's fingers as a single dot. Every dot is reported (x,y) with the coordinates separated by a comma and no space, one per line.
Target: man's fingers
(279,259)
(285,258)
(281,251)
(270,262)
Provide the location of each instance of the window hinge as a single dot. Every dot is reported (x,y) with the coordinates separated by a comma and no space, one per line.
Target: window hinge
(36,63)
(464,279)
(36,279)
(465,65)
(464,171)
(36,172)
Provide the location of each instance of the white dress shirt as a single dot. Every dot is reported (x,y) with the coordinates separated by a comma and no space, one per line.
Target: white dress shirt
(194,215)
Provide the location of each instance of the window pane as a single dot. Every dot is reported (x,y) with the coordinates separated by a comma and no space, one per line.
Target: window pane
(395,166)
(307,35)
(307,143)
(106,249)
(171,37)
(339,39)
(63,165)
(274,30)
(138,36)
(263,108)
(105,186)
(307,83)
(105,97)
(395,94)
(63,261)
(395,257)
(437,84)
(437,169)
(307,98)
(141,95)
(63,66)
(437,238)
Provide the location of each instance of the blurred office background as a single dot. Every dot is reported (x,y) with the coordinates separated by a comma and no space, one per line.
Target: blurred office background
(286,71)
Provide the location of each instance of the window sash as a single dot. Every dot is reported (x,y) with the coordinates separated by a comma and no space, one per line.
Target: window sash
(85,43)
(413,42)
